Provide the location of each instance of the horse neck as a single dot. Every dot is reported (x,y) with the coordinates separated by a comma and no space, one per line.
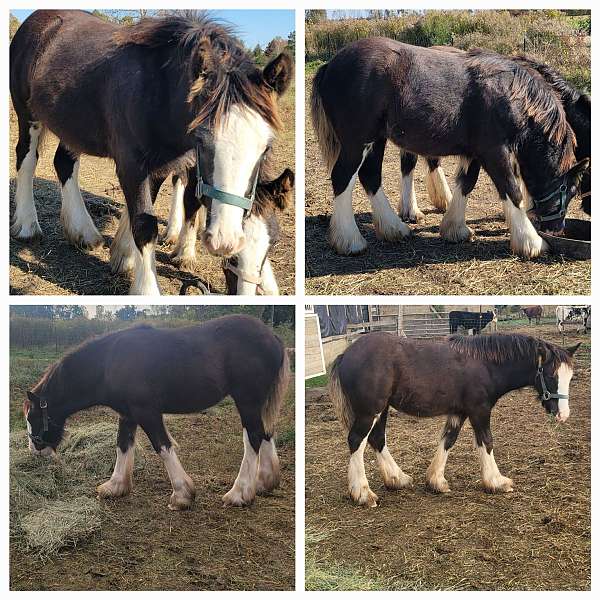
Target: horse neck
(65,400)
(511,375)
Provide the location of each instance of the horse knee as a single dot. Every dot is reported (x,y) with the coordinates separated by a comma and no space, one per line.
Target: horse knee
(145,230)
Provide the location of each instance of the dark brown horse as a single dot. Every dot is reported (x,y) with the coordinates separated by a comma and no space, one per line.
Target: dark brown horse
(533,312)
(578,111)
(143,373)
(147,96)
(471,374)
(482,107)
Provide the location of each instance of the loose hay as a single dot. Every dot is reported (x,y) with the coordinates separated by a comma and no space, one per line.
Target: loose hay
(60,486)
(60,523)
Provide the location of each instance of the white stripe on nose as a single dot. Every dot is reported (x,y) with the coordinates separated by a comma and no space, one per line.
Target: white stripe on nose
(564,374)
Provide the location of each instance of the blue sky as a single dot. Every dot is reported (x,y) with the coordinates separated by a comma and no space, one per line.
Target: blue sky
(252,26)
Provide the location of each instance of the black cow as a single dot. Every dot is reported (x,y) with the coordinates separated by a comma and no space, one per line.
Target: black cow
(470,320)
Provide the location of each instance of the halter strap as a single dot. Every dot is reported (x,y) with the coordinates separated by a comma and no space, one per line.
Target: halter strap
(546,394)
(243,275)
(205,189)
(559,193)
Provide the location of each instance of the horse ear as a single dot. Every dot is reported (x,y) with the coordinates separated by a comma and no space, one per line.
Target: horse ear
(576,172)
(279,72)
(279,190)
(32,396)
(573,349)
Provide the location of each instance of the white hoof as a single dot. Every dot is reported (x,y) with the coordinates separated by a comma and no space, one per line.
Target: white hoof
(26,230)
(393,229)
(456,232)
(239,497)
(363,496)
(499,484)
(438,484)
(114,488)
(347,245)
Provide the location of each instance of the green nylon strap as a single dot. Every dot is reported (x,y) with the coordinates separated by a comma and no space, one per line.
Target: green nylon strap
(225,197)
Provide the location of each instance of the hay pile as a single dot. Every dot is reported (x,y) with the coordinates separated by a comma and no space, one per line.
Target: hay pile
(52,502)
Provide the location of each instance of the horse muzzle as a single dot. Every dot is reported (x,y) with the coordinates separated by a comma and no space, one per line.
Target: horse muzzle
(220,244)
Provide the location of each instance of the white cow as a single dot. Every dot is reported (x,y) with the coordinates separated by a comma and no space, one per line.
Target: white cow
(579,315)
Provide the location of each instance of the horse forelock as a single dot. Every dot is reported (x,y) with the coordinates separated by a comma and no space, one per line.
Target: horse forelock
(220,71)
(499,348)
(537,99)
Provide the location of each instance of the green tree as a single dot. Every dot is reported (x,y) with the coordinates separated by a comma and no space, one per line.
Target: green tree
(13,25)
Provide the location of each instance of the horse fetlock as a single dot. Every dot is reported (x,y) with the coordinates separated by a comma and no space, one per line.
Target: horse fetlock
(412,216)
(184,258)
(438,484)
(363,495)
(392,228)
(83,234)
(27,230)
(183,495)
(530,246)
(115,487)
(239,495)
(397,481)
(347,242)
(268,479)
(498,484)
(456,232)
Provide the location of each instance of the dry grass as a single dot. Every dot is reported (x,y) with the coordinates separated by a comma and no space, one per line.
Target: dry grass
(426,264)
(537,538)
(54,267)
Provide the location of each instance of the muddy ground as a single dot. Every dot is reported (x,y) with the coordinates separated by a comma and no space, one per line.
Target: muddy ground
(536,538)
(54,267)
(144,546)
(425,264)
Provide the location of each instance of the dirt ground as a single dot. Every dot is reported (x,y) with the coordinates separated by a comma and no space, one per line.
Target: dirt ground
(144,546)
(425,264)
(536,538)
(54,267)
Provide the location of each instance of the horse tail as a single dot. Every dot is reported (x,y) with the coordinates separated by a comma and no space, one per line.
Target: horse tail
(329,143)
(270,409)
(341,404)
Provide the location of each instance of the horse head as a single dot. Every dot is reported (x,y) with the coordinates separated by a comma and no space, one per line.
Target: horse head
(235,122)
(44,428)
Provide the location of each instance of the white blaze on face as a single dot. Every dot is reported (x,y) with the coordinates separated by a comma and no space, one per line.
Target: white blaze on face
(564,374)
(239,143)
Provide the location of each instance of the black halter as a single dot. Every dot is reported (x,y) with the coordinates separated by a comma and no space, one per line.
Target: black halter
(45,423)
(560,197)
(546,393)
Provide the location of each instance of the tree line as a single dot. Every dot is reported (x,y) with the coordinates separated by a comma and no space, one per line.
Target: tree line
(64,326)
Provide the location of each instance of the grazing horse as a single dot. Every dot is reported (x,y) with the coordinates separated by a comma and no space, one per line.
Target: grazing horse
(148,96)
(480,106)
(578,110)
(475,321)
(533,312)
(249,272)
(471,374)
(143,373)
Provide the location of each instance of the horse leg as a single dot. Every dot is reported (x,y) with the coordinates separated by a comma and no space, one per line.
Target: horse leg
(436,480)
(256,441)
(184,491)
(408,209)
(138,188)
(76,221)
(25,224)
(176,212)
(358,483)
(121,481)
(492,479)
(344,235)
(184,253)
(454,226)
(268,284)
(524,239)
(388,226)
(394,477)
(437,186)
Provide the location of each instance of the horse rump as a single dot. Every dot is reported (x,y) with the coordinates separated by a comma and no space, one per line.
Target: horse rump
(329,143)
(341,403)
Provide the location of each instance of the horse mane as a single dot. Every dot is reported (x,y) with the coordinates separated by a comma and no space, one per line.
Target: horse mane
(567,92)
(220,70)
(530,90)
(48,374)
(502,347)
